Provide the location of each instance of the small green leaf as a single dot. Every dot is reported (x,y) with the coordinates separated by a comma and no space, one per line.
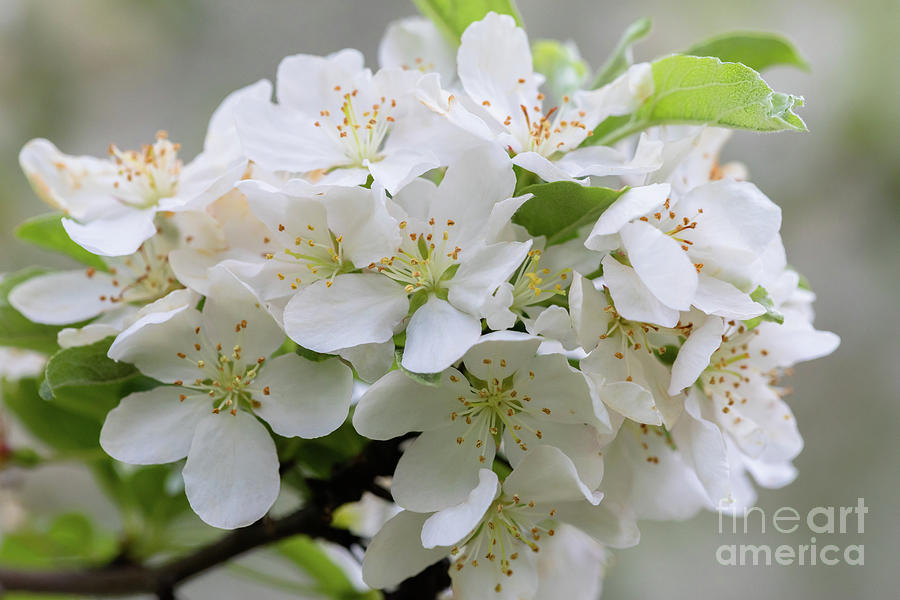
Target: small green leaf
(761,296)
(757,50)
(307,554)
(55,426)
(704,90)
(69,539)
(46,231)
(621,57)
(85,380)
(558,210)
(565,71)
(16,330)
(453,16)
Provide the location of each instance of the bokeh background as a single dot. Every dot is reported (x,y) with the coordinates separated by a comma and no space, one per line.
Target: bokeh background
(89,72)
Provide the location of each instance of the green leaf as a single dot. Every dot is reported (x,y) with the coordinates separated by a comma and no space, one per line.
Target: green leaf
(453,16)
(55,426)
(305,553)
(757,50)
(761,296)
(564,69)
(85,380)
(558,210)
(16,330)
(69,538)
(46,231)
(620,59)
(704,90)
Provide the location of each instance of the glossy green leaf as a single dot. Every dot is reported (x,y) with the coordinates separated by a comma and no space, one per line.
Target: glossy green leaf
(621,57)
(70,539)
(16,330)
(306,554)
(559,209)
(57,427)
(705,90)
(46,231)
(85,380)
(453,16)
(757,50)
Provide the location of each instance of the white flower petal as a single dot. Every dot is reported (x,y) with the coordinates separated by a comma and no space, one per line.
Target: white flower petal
(118,235)
(634,203)
(493,58)
(437,336)
(500,354)
(547,475)
(396,552)
(306,399)
(370,361)
(632,401)
(586,308)
(717,297)
(661,264)
(702,445)
(155,342)
(632,298)
(481,273)
(356,309)
(416,43)
(608,523)
(65,297)
(695,352)
(396,404)
(231,475)
(475,583)
(580,443)
(153,427)
(547,170)
(452,525)
(437,471)
(233,316)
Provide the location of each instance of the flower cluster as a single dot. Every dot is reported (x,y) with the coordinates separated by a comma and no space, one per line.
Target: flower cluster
(362,240)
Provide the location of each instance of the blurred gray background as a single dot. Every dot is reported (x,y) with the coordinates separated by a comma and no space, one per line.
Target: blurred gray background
(89,72)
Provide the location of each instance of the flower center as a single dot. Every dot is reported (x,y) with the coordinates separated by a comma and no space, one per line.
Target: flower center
(360,134)
(318,252)
(507,526)
(424,260)
(142,277)
(145,177)
(226,376)
(532,285)
(677,227)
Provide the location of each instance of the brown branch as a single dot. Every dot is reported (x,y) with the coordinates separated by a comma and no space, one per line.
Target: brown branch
(314,520)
